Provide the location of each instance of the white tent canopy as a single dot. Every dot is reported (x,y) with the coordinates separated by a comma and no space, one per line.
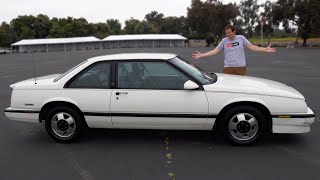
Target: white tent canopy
(143,41)
(90,43)
(56,41)
(144,37)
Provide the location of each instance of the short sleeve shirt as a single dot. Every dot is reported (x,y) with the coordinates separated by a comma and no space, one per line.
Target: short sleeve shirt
(234,51)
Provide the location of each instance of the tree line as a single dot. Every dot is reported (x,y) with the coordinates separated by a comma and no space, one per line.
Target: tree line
(205,20)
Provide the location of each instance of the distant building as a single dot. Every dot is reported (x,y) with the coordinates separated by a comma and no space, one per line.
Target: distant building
(143,40)
(197,43)
(91,43)
(57,44)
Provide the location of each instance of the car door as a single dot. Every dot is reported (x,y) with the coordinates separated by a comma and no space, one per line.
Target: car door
(90,91)
(151,95)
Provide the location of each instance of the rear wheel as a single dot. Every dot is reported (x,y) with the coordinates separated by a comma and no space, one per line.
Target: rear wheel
(63,124)
(243,125)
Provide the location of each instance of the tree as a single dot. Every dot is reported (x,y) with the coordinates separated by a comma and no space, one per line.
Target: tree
(268,25)
(209,18)
(238,24)
(172,25)
(99,30)
(130,25)
(23,26)
(114,26)
(183,26)
(308,13)
(5,39)
(79,27)
(198,17)
(69,27)
(284,12)
(27,33)
(144,27)
(249,13)
(228,14)
(302,13)
(167,25)
(155,18)
(42,26)
(56,30)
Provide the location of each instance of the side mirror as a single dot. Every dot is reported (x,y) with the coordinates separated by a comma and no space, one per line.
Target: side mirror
(190,85)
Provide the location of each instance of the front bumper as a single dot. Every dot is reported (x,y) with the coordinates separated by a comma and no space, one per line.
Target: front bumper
(293,123)
(26,115)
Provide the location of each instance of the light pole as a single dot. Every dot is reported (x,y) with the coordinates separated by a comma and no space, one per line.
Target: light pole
(10,32)
(261,25)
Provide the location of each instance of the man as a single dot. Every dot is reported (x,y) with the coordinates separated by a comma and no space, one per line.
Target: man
(233,46)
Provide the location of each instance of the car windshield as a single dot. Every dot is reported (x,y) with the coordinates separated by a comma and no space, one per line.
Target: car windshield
(62,75)
(197,73)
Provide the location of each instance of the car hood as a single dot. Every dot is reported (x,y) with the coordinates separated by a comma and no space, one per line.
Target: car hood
(43,82)
(252,85)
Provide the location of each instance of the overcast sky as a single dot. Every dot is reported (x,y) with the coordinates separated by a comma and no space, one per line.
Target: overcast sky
(95,10)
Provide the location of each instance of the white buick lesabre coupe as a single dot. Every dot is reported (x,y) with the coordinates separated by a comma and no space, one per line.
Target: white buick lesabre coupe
(157,91)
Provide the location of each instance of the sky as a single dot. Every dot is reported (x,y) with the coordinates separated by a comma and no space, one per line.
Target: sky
(95,11)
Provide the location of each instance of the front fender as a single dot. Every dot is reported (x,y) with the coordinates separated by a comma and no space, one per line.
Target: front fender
(236,100)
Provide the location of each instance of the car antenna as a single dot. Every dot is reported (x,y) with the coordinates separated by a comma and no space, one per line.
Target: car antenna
(34,69)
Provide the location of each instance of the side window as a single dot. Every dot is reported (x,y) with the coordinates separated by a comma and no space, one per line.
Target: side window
(96,76)
(149,75)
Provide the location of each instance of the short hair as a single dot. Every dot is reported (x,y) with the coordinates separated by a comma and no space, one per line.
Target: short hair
(230,27)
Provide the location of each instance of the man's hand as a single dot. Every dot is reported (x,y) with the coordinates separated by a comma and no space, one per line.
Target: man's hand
(270,50)
(196,55)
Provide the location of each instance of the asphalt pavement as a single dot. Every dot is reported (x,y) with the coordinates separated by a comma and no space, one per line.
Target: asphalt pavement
(27,152)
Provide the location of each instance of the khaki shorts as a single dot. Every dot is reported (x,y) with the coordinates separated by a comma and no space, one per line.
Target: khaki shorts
(235,70)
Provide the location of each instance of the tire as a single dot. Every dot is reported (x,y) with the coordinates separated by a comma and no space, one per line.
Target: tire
(64,124)
(243,125)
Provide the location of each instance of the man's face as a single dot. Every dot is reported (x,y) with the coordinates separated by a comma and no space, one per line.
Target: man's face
(230,34)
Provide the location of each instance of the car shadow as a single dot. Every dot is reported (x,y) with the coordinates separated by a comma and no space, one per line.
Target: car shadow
(37,134)
(180,137)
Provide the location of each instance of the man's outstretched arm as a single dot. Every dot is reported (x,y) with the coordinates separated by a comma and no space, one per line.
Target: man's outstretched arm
(261,49)
(197,54)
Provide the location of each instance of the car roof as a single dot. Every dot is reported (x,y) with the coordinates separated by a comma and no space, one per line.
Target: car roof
(133,56)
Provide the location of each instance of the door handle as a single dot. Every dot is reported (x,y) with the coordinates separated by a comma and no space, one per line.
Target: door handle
(118,93)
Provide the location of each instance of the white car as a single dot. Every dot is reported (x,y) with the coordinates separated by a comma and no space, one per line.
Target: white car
(5,51)
(157,91)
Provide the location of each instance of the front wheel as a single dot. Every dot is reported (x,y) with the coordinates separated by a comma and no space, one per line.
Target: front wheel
(63,124)
(243,125)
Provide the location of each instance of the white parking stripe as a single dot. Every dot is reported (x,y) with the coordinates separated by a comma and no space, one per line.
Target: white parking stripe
(8,76)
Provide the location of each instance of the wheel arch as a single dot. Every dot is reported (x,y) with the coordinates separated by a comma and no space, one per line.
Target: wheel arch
(261,107)
(46,107)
